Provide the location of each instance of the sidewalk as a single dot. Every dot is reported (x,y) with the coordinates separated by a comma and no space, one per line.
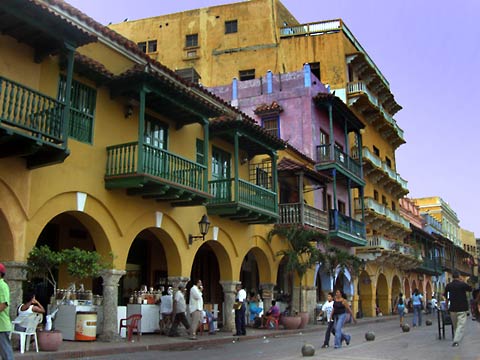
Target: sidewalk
(149,342)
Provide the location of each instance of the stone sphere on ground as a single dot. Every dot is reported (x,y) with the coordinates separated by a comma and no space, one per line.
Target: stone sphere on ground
(405,328)
(308,350)
(369,336)
(428,322)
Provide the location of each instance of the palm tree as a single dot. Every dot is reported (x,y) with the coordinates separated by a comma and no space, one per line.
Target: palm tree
(302,252)
(335,257)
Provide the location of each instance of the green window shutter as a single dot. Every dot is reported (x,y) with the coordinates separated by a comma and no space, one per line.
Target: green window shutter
(199,152)
(82,109)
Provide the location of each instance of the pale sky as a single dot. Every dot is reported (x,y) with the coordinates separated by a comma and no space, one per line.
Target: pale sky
(428,51)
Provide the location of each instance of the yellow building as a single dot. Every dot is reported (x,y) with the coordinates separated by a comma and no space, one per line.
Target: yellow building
(245,40)
(105,149)
(469,243)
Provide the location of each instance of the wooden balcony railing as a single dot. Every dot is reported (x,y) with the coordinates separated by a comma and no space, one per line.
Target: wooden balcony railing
(125,159)
(249,194)
(341,158)
(341,222)
(30,113)
(292,214)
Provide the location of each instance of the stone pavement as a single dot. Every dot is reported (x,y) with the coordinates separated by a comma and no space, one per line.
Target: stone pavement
(153,342)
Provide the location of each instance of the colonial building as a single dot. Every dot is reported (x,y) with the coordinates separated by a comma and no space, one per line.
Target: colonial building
(298,108)
(247,39)
(104,148)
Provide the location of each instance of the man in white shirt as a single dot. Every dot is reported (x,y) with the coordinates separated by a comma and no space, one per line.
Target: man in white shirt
(179,309)
(327,310)
(241,298)
(196,307)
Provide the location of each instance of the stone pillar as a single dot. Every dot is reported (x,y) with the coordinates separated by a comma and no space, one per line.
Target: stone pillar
(267,295)
(229,292)
(15,276)
(111,277)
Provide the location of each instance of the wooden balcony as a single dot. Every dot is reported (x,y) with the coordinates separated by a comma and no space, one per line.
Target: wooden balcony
(380,173)
(242,201)
(31,125)
(345,228)
(383,250)
(346,166)
(155,173)
(382,219)
(365,102)
(430,266)
(305,215)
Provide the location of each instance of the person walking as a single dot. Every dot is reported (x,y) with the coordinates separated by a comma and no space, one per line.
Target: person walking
(417,299)
(327,311)
(456,295)
(401,308)
(179,311)
(240,299)
(6,351)
(340,309)
(196,307)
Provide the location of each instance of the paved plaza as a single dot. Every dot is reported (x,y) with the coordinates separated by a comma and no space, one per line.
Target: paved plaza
(390,343)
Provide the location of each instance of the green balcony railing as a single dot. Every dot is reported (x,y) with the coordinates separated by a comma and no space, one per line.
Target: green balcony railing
(341,222)
(341,158)
(292,214)
(30,113)
(248,194)
(124,160)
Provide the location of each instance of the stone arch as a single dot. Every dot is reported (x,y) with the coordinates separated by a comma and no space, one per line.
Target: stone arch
(264,267)
(365,293)
(166,232)
(223,258)
(12,226)
(396,289)
(407,289)
(414,286)
(428,291)
(382,294)
(95,217)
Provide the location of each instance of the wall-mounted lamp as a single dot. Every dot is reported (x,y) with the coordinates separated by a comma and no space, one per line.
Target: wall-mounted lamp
(128,111)
(243,160)
(203,225)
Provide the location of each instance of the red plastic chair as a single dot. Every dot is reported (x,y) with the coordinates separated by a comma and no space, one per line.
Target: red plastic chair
(130,324)
(272,322)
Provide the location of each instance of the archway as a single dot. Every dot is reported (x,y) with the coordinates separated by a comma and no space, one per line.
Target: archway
(396,290)
(249,274)
(323,283)
(147,265)
(382,295)
(65,231)
(414,286)
(365,295)
(283,291)
(407,289)
(206,267)
(428,291)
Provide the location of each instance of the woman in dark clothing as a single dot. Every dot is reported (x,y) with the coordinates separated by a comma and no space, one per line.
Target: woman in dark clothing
(340,309)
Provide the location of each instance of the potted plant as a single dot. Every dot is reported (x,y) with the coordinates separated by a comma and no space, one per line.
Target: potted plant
(302,253)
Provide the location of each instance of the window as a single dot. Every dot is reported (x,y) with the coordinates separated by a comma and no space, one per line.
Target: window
(231,27)
(220,186)
(341,207)
(394,207)
(271,124)
(199,150)
(191,40)
(155,133)
(152,46)
(329,201)
(245,75)
(375,195)
(82,109)
(262,177)
(384,200)
(323,149)
(376,151)
(142,46)
(389,162)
